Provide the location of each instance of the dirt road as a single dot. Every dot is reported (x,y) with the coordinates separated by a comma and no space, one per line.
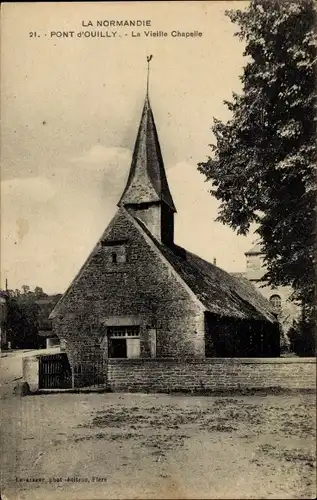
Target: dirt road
(111,446)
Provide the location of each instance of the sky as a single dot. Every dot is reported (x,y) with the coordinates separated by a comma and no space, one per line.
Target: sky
(70,112)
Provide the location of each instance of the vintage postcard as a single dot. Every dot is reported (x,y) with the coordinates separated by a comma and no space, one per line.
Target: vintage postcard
(157,240)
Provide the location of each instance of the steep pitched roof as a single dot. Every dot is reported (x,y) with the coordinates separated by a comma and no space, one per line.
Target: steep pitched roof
(215,290)
(239,274)
(147,179)
(220,292)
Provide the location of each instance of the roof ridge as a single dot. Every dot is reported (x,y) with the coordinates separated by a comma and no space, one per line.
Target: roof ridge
(210,287)
(231,291)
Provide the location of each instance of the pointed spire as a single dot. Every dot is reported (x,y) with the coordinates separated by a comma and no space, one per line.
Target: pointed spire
(147,181)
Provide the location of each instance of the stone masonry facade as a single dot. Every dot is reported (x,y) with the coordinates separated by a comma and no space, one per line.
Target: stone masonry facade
(142,289)
(211,374)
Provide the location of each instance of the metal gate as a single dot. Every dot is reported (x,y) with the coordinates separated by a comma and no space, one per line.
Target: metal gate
(54,372)
(91,370)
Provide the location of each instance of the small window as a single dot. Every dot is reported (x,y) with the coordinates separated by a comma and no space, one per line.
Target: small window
(124,342)
(276,302)
(116,252)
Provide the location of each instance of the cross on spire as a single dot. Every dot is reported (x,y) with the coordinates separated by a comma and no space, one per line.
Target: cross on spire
(148,58)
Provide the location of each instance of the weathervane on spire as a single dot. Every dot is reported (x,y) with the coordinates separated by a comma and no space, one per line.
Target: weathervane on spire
(148,58)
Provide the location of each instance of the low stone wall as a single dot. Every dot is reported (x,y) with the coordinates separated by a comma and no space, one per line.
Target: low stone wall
(164,375)
(213,374)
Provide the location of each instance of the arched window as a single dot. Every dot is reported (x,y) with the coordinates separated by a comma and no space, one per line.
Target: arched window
(276,302)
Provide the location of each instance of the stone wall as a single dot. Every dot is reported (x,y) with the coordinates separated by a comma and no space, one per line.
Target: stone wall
(164,375)
(214,374)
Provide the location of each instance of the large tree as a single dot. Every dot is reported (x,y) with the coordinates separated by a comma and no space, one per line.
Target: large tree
(263,162)
(22,323)
(27,313)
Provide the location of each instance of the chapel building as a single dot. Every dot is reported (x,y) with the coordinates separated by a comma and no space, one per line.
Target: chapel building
(140,295)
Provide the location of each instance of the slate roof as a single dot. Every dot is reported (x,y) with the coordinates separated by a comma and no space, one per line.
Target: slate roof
(216,290)
(239,274)
(147,179)
(220,292)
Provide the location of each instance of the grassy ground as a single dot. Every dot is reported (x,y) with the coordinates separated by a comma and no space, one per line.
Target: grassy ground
(158,446)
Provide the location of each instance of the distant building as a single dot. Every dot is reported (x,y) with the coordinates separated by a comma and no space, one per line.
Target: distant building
(279,297)
(45,305)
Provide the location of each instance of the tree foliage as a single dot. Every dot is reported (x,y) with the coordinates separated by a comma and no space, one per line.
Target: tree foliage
(302,337)
(22,323)
(27,314)
(263,164)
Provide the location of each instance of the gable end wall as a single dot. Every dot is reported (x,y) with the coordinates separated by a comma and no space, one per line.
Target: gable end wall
(143,287)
